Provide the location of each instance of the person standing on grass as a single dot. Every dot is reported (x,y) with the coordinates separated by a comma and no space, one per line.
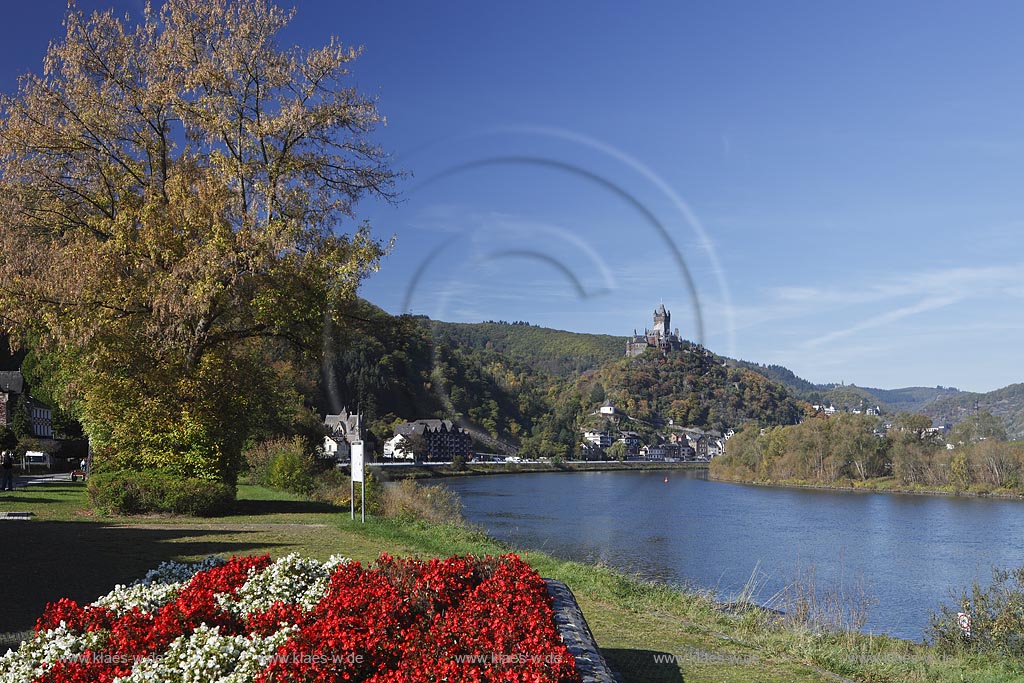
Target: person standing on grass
(7,467)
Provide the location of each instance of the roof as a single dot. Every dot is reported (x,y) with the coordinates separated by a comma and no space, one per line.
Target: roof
(12,381)
(344,424)
(419,426)
(36,403)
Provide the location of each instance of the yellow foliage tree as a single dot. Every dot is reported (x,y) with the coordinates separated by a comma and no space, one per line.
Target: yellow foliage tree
(169,197)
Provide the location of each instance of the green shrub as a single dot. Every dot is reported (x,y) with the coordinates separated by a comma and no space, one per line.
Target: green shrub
(282,463)
(126,492)
(291,469)
(257,461)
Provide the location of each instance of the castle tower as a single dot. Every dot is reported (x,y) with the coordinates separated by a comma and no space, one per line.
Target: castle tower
(661,337)
(662,321)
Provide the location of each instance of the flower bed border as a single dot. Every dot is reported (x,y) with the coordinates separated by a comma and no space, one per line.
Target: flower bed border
(577,636)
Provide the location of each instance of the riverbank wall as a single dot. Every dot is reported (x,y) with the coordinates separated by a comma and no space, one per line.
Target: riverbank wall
(396,471)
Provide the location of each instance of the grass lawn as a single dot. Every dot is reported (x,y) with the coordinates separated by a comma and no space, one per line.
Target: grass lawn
(66,550)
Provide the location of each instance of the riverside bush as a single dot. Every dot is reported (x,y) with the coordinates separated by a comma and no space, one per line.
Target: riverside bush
(126,492)
(996,613)
(407,499)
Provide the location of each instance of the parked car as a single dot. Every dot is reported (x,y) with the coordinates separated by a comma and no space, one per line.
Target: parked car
(36,459)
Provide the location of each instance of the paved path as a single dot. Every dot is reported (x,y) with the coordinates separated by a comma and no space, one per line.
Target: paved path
(29,479)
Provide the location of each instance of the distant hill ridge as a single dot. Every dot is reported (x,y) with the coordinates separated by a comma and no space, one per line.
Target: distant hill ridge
(564,353)
(1006,403)
(909,399)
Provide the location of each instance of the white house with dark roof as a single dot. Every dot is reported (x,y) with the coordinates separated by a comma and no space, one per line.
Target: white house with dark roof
(444,440)
(343,429)
(12,388)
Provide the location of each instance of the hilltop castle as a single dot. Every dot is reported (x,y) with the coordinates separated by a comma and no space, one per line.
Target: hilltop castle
(658,338)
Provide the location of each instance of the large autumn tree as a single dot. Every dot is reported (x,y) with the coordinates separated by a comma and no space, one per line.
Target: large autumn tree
(171,192)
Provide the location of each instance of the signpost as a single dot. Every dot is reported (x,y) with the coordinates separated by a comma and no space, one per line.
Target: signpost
(964,620)
(357,475)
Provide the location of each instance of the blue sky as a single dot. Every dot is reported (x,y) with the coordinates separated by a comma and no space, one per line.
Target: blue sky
(834,187)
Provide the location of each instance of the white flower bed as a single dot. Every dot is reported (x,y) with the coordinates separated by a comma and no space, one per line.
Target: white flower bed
(157,588)
(47,646)
(292,579)
(208,657)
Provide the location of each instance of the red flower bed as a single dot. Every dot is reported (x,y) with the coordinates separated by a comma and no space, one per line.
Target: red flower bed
(458,619)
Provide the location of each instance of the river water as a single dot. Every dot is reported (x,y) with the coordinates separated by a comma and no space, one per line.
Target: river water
(909,552)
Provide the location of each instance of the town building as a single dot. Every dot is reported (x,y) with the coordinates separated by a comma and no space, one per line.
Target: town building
(397,448)
(660,337)
(631,440)
(343,429)
(601,439)
(11,386)
(654,451)
(336,448)
(442,440)
(12,390)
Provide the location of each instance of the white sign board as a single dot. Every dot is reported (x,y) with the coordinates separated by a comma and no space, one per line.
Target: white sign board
(357,461)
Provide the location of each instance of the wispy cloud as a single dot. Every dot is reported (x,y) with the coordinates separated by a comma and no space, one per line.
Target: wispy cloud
(899,294)
(961,281)
(880,320)
(911,318)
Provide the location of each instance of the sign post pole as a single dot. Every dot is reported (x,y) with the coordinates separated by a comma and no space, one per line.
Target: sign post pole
(357,475)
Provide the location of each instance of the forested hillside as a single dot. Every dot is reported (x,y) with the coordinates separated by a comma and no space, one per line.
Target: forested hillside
(553,352)
(911,399)
(782,375)
(696,387)
(393,369)
(531,388)
(1006,403)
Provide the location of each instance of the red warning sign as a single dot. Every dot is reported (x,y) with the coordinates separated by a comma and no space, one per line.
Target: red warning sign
(964,620)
